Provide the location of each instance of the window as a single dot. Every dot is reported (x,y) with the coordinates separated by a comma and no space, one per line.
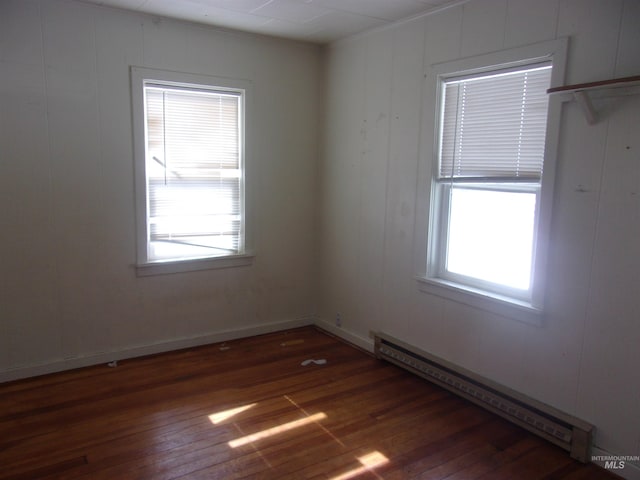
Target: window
(489,194)
(492,135)
(190,170)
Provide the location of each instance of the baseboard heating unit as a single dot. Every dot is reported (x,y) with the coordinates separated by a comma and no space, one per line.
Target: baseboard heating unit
(566,431)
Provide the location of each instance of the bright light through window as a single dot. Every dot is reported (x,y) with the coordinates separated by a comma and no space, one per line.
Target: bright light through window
(194,171)
(491,235)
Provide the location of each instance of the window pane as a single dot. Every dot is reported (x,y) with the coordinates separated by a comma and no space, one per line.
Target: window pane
(194,174)
(491,235)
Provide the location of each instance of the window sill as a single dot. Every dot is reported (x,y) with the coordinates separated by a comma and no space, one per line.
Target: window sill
(488,301)
(191,265)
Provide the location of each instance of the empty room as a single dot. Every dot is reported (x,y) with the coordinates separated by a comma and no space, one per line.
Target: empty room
(320,239)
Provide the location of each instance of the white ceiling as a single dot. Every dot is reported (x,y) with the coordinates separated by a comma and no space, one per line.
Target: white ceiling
(319,21)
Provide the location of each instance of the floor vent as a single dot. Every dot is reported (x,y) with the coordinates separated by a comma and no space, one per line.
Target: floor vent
(566,431)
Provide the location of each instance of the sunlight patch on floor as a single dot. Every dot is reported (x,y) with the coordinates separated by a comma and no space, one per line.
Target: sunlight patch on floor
(276,430)
(368,461)
(295,404)
(220,417)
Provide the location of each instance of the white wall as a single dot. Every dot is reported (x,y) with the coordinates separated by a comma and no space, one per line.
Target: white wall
(68,292)
(584,359)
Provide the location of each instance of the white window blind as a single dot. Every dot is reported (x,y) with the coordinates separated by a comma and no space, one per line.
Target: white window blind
(194,172)
(494,125)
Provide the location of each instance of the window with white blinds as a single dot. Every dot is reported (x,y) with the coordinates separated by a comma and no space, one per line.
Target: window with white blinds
(194,171)
(490,164)
(493,125)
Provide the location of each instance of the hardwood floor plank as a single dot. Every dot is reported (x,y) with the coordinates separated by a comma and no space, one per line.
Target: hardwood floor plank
(54,469)
(249,409)
(257,420)
(534,464)
(489,464)
(423,458)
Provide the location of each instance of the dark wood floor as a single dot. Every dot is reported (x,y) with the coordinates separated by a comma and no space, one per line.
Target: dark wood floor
(249,409)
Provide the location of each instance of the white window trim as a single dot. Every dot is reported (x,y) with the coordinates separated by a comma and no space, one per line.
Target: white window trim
(193,264)
(139,76)
(427,276)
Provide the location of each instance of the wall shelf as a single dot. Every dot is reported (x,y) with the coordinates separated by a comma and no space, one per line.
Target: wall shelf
(583,93)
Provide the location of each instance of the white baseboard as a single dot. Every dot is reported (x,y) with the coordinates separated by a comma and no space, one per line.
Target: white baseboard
(630,470)
(362,342)
(150,349)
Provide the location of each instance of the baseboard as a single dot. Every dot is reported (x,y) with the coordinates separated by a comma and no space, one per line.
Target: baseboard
(621,464)
(150,349)
(361,342)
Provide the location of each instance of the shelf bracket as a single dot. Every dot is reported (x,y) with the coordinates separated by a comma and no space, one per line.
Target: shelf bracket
(582,98)
(610,88)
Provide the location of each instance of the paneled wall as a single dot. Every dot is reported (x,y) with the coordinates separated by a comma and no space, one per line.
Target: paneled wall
(68,290)
(584,358)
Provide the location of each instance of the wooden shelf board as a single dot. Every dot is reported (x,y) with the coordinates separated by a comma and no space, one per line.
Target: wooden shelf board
(613,83)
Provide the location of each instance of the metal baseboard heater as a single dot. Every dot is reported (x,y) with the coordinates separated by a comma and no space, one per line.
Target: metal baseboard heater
(566,431)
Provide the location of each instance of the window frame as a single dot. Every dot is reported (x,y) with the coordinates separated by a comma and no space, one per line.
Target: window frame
(140,77)
(430,254)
